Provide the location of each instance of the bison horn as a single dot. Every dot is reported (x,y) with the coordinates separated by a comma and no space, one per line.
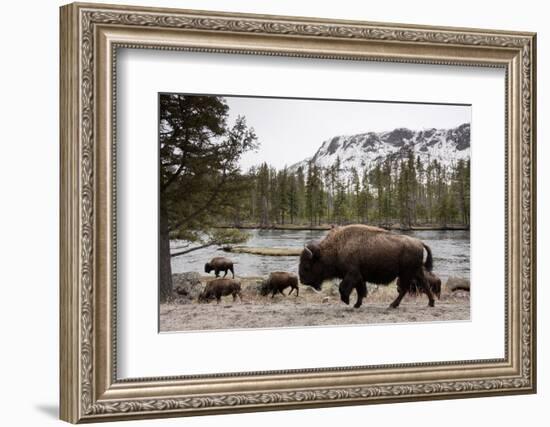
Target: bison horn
(308,252)
(314,249)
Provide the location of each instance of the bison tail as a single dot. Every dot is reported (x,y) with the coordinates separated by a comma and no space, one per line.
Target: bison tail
(429,264)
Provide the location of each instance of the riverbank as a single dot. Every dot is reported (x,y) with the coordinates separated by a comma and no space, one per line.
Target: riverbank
(310,308)
(324,227)
(263,251)
(451,251)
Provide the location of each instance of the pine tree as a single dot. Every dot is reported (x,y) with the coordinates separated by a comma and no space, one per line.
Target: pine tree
(263,195)
(310,194)
(388,190)
(282,190)
(402,192)
(462,180)
(292,197)
(379,185)
(356,207)
(301,193)
(319,196)
(200,178)
(365,197)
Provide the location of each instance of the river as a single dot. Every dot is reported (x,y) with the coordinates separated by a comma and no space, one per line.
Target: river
(450,248)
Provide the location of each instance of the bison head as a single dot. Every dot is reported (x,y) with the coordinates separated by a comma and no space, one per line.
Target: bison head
(207,268)
(204,297)
(264,288)
(311,267)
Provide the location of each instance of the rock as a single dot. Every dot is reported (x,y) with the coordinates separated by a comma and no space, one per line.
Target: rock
(325,300)
(457,283)
(181,291)
(187,284)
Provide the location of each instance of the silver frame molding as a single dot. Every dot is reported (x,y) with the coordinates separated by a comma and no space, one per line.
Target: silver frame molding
(90,37)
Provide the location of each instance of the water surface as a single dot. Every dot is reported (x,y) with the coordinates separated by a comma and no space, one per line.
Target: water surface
(450,248)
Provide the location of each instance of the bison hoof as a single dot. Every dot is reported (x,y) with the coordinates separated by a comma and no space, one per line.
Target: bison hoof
(344,299)
(357,305)
(431,303)
(392,305)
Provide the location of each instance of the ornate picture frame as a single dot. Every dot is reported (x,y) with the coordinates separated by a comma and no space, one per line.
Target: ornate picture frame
(90,37)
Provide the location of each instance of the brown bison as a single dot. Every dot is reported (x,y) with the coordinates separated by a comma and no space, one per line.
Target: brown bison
(218,288)
(278,281)
(218,264)
(434,283)
(358,254)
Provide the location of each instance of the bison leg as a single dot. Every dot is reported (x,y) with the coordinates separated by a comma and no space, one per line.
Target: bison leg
(232,271)
(224,273)
(397,301)
(217,272)
(361,289)
(426,287)
(344,290)
(346,286)
(404,284)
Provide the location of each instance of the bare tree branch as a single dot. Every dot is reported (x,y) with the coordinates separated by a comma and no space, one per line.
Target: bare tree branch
(193,249)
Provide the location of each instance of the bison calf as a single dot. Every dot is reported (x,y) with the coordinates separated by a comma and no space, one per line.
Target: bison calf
(433,282)
(278,281)
(219,264)
(218,288)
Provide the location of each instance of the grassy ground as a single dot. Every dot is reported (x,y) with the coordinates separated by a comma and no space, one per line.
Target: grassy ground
(310,308)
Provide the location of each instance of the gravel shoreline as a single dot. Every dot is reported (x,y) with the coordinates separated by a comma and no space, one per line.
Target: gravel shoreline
(310,308)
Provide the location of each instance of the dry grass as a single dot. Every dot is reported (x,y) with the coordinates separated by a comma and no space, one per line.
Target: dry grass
(310,308)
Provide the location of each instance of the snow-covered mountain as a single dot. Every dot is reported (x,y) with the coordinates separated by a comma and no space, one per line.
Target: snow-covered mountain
(366,150)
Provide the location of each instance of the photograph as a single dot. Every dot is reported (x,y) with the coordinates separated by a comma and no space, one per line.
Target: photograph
(287,212)
(270,210)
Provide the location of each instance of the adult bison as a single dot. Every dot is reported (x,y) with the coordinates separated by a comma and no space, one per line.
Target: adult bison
(358,254)
(218,264)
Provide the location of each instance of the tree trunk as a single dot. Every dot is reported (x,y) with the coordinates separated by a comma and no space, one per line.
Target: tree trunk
(165,266)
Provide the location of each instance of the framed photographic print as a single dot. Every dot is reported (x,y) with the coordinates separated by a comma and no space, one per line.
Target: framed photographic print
(266,212)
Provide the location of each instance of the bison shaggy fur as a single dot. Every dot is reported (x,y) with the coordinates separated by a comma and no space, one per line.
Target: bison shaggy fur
(218,288)
(219,264)
(358,254)
(278,281)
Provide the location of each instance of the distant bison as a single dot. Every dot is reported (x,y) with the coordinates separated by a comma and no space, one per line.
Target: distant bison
(218,288)
(434,283)
(278,281)
(219,264)
(358,254)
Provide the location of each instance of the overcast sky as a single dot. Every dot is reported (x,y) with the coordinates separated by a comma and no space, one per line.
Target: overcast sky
(289,130)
